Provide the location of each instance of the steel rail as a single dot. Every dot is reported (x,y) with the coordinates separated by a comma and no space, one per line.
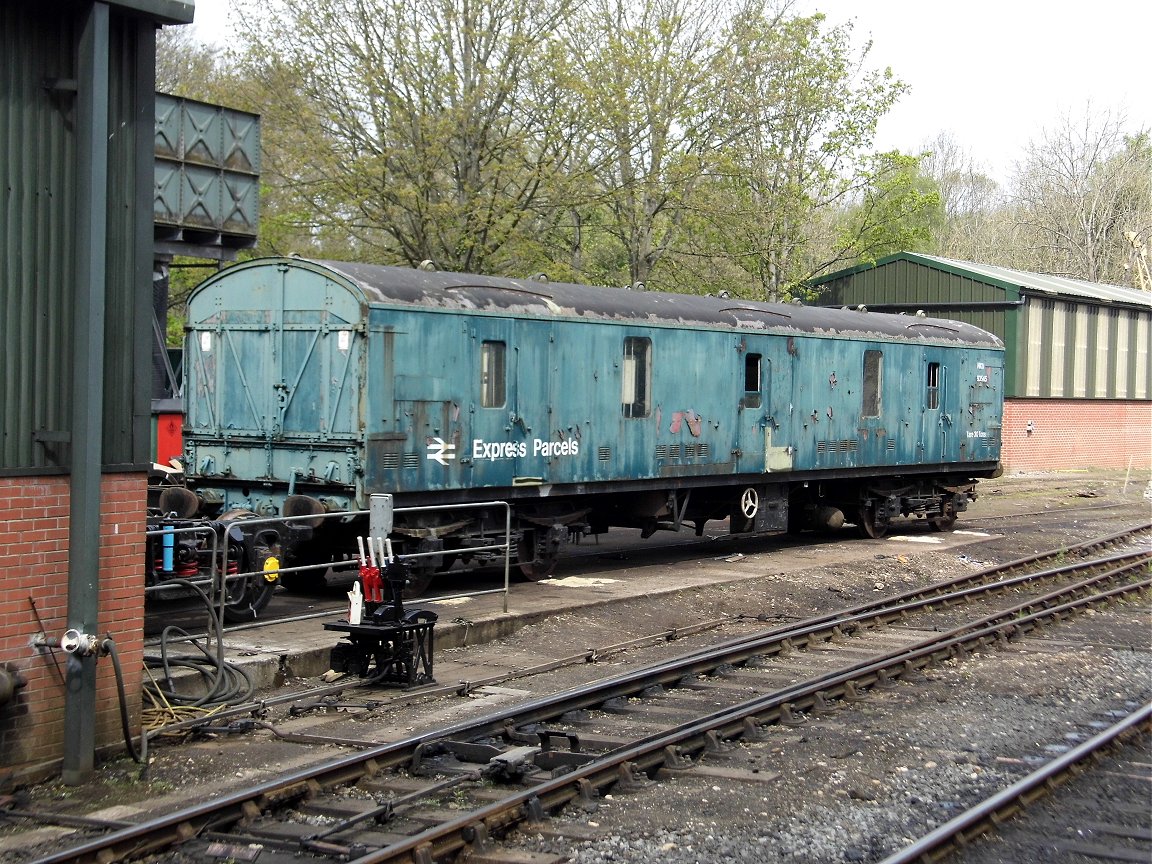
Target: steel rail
(993,811)
(248,803)
(977,578)
(777,639)
(655,751)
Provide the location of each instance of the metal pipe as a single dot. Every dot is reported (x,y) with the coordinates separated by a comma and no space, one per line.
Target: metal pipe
(87,387)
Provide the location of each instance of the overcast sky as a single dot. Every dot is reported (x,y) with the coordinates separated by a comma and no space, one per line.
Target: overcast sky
(996,73)
(993,73)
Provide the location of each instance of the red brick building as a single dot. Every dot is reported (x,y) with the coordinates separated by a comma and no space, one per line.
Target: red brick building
(1041,434)
(34,603)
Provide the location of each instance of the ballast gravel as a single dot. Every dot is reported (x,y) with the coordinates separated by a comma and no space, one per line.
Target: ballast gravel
(866,780)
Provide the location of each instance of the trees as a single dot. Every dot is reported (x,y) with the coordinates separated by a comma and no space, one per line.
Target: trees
(683,142)
(1079,203)
(732,151)
(1080,188)
(648,76)
(970,203)
(803,108)
(186,67)
(423,129)
(693,145)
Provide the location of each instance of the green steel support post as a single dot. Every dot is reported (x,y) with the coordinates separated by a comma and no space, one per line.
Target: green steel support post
(1015,353)
(145,125)
(87,389)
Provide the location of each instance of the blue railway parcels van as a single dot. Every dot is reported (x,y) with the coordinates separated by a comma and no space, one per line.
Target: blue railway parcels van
(323,382)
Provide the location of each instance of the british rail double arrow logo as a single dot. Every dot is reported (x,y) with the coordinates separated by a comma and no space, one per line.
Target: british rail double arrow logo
(441,451)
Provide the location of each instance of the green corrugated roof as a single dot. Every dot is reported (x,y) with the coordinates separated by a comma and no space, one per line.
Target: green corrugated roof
(1009,279)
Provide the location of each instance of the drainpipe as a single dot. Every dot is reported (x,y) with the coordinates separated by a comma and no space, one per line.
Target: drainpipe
(87,389)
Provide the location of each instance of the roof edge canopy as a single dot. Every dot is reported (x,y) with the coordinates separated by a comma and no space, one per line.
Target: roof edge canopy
(163,11)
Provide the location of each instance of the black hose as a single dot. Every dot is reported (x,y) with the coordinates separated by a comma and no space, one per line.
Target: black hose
(226,683)
(109,647)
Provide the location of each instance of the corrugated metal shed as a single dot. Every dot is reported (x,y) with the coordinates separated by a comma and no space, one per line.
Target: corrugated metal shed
(1065,338)
(40,277)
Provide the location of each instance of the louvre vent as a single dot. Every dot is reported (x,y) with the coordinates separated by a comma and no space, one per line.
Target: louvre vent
(604,454)
(890,445)
(393,461)
(682,451)
(847,445)
(686,451)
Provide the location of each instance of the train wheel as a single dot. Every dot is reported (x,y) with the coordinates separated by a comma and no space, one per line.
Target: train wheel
(867,523)
(245,597)
(417,584)
(946,521)
(536,560)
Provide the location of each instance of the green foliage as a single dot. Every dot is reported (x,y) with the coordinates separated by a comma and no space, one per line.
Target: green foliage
(423,131)
(794,165)
(687,144)
(693,145)
(898,211)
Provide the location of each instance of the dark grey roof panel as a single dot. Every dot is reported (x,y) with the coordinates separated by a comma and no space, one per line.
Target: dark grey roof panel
(459,291)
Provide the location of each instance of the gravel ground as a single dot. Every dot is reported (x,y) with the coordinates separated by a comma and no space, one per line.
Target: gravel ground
(862,782)
(853,785)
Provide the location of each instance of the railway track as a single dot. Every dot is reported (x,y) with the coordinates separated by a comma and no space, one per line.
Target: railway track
(1120,842)
(324,698)
(551,751)
(578,559)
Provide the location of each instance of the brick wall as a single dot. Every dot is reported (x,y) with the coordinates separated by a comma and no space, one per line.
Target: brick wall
(1076,433)
(34,599)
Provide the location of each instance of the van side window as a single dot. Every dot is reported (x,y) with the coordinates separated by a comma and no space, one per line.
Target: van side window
(932,394)
(636,380)
(752,381)
(493,380)
(873,382)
